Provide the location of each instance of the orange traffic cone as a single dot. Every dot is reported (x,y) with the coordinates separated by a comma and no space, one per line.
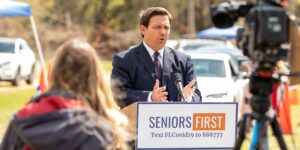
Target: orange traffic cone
(43,86)
(49,72)
(284,114)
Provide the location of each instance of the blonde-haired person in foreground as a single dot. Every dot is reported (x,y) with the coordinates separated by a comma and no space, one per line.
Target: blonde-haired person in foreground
(78,112)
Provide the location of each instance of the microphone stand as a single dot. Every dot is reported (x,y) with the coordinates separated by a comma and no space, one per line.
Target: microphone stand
(178,83)
(180,93)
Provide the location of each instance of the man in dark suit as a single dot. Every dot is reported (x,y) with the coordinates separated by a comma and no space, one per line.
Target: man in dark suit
(146,70)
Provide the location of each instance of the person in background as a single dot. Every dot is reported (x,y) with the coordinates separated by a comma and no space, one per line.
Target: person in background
(146,70)
(78,111)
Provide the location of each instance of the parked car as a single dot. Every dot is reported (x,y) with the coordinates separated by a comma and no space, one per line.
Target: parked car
(17,61)
(235,54)
(172,43)
(193,44)
(214,46)
(216,76)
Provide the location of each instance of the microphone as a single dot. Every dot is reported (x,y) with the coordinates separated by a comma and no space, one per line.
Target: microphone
(178,82)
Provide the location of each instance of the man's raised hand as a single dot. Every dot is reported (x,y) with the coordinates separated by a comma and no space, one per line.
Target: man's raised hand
(189,90)
(159,93)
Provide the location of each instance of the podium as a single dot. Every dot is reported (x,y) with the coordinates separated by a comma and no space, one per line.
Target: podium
(182,125)
(130,112)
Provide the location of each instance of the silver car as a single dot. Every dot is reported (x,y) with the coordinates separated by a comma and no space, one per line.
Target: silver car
(17,61)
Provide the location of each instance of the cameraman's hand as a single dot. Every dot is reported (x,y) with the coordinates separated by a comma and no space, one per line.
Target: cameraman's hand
(159,93)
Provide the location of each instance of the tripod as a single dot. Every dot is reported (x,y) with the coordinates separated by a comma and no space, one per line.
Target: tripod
(260,87)
(262,120)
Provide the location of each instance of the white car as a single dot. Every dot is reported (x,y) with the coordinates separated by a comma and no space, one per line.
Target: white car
(193,44)
(216,76)
(17,60)
(172,43)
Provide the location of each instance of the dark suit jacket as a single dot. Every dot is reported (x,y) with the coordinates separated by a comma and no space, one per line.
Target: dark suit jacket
(135,69)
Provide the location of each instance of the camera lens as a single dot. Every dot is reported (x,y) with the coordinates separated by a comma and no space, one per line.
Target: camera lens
(222,17)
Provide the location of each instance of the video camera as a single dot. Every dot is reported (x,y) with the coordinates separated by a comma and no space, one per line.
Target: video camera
(264,39)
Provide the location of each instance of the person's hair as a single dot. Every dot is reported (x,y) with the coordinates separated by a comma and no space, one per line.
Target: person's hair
(77,69)
(146,15)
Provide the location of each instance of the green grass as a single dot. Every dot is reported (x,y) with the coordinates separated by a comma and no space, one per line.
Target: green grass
(107,65)
(10,102)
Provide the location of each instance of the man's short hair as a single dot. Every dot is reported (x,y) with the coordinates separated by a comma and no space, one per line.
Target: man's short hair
(146,15)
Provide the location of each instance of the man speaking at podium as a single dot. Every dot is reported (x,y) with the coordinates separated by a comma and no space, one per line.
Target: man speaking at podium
(151,71)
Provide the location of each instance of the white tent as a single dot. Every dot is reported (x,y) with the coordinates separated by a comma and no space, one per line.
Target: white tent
(9,8)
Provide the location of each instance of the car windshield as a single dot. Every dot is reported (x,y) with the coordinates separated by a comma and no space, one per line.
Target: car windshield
(195,46)
(209,68)
(234,53)
(7,47)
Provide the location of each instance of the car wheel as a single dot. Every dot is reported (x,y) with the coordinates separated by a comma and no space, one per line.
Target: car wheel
(17,79)
(30,77)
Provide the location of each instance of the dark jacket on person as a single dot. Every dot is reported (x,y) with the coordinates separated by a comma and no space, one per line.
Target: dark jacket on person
(57,121)
(135,70)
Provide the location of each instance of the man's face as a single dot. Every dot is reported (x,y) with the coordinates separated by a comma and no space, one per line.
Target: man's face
(157,32)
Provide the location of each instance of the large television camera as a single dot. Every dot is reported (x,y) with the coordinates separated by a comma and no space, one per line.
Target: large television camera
(264,39)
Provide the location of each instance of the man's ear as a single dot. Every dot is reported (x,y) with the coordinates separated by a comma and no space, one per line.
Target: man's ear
(143,29)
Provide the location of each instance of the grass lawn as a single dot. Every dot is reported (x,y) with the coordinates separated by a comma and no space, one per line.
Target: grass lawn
(10,102)
(107,65)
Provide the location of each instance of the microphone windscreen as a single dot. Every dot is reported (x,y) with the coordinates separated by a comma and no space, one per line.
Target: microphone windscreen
(177,77)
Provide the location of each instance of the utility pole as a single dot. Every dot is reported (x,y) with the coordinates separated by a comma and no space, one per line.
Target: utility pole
(191,17)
